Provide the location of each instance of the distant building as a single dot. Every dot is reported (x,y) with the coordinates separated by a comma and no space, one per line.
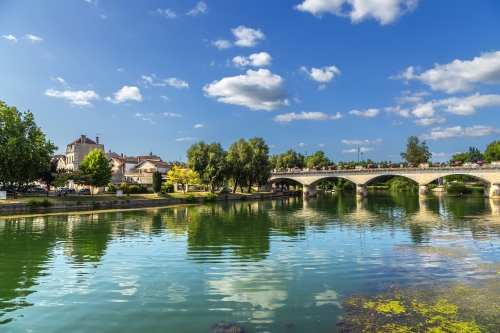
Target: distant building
(111,154)
(59,163)
(78,149)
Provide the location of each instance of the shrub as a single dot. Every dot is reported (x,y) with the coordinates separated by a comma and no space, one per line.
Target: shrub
(45,203)
(458,188)
(111,188)
(211,197)
(478,190)
(432,186)
(478,184)
(167,187)
(190,197)
(124,187)
(143,189)
(133,189)
(33,203)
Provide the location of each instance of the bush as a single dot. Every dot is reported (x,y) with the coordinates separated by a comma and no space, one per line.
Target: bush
(211,197)
(478,184)
(478,190)
(458,188)
(33,203)
(111,188)
(143,189)
(190,197)
(167,187)
(45,203)
(432,186)
(134,189)
(124,187)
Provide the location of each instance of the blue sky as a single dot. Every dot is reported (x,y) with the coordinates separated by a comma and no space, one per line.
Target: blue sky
(308,75)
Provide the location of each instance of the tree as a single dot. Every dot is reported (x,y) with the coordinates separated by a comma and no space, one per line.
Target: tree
(287,160)
(25,153)
(95,166)
(459,157)
(179,176)
(239,157)
(259,170)
(474,155)
(492,152)
(318,159)
(209,161)
(416,152)
(156,181)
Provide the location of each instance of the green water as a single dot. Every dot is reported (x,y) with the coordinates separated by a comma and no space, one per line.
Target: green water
(260,264)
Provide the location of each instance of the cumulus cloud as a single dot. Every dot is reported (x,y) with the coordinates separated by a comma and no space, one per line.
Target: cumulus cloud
(257,90)
(441,133)
(396,123)
(247,37)
(201,7)
(288,117)
(174,82)
(59,79)
(467,105)
(10,37)
(255,60)
(325,74)
(302,144)
(199,126)
(321,145)
(79,98)
(355,150)
(361,142)
(398,110)
(370,113)
(33,39)
(429,121)
(384,11)
(125,94)
(222,44)
(138,114)
(411,98)
(185,139)
(458,75)
(170,114)
(177,83)
(165,98)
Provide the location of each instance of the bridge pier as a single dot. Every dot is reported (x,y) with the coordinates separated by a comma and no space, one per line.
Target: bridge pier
(423,190)
(309,191)
(361,190)
(493,190)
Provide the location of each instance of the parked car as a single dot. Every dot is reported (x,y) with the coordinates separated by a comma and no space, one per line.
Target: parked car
(61,192)
(224,189)
(70,191)
(84,191)
(37,190)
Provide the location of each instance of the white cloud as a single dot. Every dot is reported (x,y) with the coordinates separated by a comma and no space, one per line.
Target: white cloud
(121,70)
(321,145)
(361,142)
(458,75)
(467,105)
(199,126)
(185,139)
(257,90)
(201,7)
(79,98)
(370,113)
(322,87)
(384,11)
(150,80)
(91,2)
(325,74)
(424,110)
(138,114)
(429,121)
(355,150)
(408,97)
(288,117)
(247,37)
(170,114)
(168,13)
(165,98)
(59,79)
(222,44)
(398,110)
(396,123)
(103,16)
(177,83)
(256,60)
(125,94)
(440,133)
(10,37)
(297,100)
(302,144)
(443,154)
(33,39)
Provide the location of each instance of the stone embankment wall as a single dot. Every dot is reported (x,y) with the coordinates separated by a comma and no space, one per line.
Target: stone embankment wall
(122,203)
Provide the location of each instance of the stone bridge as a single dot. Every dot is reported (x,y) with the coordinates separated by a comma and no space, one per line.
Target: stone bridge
(490,176)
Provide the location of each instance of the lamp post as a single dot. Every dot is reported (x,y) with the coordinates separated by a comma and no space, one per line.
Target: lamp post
(358,155)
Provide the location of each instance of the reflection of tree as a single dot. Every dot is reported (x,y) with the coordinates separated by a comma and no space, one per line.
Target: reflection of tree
(244,229)
(89,239)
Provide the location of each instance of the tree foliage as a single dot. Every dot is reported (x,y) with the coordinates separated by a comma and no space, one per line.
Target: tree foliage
(239,157)
(288,160)
(156,181)
(474,155)
(95,166)
(183,177)
(209,161)
(492,152)
(416,152)
(319,160)
(25,153)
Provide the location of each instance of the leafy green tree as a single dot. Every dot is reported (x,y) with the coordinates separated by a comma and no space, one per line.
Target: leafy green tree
(95,166)
(319,160)
(156,181)
(287,160)
(25,153)
(474,155)
(181,176)
(416,152)
(492,152)
(462,157)
(210,162)
(239,158)
(260,167)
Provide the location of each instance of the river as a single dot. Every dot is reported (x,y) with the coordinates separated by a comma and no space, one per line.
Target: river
(289,265)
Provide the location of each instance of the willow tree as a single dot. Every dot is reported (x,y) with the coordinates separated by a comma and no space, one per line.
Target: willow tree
(25,153)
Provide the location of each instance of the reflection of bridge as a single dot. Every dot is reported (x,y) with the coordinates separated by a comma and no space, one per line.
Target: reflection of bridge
(309,179)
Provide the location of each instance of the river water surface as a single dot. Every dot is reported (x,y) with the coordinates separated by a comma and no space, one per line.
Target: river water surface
(269,266)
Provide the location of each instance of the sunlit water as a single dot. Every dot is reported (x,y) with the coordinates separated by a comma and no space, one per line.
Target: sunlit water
(260,264)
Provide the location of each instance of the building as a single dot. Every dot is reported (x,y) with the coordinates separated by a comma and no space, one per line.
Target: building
(78,149)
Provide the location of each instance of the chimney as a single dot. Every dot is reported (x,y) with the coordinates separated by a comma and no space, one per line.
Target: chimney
(122,154)
(151,154)
(84,139)
(97,139)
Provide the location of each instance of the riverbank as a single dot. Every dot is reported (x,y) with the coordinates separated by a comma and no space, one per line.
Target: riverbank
(36,205)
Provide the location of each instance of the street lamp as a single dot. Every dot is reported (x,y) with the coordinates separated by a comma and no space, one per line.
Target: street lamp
(358,155)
